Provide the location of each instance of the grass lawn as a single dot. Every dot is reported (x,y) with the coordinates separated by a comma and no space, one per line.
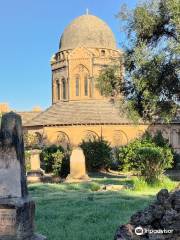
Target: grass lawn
(69,211)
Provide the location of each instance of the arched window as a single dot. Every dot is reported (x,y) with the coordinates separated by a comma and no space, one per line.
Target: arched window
(63,140)
(77,85)
(58,89)
(63,88)
(119,138)
(86,85)
(63,56)
(103,53)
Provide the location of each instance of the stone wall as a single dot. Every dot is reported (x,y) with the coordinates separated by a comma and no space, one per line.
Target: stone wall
(159,221)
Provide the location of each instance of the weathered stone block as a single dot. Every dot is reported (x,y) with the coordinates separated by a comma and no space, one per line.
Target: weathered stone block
(16,219)
(16,208)
(77,166)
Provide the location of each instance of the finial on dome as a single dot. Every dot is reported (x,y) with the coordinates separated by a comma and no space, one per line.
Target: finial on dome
(87,11)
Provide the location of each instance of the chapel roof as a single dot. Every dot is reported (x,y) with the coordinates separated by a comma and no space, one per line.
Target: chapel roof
(27,116)
(88,31)
(79,113)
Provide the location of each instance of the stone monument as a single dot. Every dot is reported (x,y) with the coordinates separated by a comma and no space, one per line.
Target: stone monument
(77,166)
(16,208)
(36,173)
(35,159)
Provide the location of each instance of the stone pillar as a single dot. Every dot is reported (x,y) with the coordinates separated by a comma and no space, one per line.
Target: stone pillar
(16,208)
(77,166)
(36,173)
(54,91)
(35,159)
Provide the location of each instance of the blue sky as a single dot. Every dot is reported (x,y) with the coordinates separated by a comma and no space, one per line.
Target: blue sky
(29,35)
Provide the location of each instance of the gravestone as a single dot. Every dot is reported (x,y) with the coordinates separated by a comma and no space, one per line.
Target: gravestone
(16,208)
(77,166)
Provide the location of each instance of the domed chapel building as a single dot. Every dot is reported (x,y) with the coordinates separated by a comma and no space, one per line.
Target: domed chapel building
(78,110)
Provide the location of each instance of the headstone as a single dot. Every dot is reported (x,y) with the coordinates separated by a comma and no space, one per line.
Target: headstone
(77,166)
(10,177)
(16,208)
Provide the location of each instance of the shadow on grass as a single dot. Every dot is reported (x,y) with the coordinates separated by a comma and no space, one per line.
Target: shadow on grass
(126,182)
(106,175)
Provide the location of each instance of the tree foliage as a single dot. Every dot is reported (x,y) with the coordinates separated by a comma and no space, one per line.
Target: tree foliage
(109,82)
(152,59)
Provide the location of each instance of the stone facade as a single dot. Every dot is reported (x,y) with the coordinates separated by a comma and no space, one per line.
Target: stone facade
(86,47)
(170,131)
(73,134)
(74,77)
(78,110)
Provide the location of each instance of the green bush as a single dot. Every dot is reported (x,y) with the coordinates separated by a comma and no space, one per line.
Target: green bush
(65,167)
(148,156)
(94,187)
(27,161)
(97,153)
(151,162)
(58,157)
(128,154)
(49,157)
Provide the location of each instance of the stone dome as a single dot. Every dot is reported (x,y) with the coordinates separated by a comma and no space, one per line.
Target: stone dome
(87,31)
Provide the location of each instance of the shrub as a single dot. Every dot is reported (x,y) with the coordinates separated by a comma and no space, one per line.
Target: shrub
(94,187)
(49,156)
(65,167)
(151,162)
(97,153)
(56,167)
(27,161)
(148,156)
(128,153)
